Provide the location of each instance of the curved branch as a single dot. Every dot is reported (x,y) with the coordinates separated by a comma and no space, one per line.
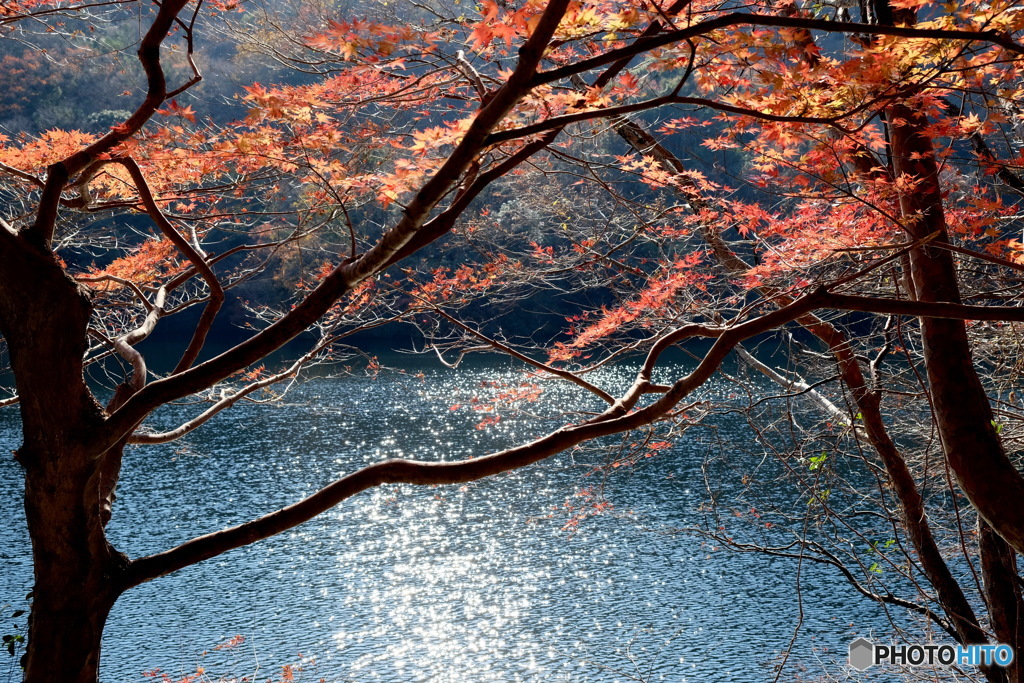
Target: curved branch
(124,345)
(430,473)
(742,19)
(58,173)
(223,404)
(138,363)
(140,295)
(216,299)
(18,173)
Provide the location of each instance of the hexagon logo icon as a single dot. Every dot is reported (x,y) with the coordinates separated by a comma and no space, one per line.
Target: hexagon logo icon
(862,653)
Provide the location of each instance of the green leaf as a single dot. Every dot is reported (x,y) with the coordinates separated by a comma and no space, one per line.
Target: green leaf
(822,497)
(817,460)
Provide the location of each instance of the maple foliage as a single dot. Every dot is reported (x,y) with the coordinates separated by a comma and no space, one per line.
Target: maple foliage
(646,172)
(320,136)
(150,262)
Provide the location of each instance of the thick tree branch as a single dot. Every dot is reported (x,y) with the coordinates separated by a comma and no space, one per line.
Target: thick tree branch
(427,473)
(923,309)
(1002,592)
(59,173)
(350,274)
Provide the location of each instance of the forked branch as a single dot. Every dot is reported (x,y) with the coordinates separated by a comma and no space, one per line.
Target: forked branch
(216,300)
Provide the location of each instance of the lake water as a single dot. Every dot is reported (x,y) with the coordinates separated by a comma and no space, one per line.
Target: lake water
(474,583)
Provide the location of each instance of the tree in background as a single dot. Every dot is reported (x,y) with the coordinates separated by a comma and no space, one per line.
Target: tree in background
(408,178)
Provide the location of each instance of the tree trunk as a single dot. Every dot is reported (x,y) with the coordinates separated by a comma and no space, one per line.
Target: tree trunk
(1002,595)
(44,318)
(65,645)
(70,605)
(962,412)
(950,595)
(77,573)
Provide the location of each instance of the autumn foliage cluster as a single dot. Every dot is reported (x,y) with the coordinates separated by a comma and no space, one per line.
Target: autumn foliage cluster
(841,183)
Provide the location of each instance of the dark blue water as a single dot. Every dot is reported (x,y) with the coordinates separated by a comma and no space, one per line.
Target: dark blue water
(476,583)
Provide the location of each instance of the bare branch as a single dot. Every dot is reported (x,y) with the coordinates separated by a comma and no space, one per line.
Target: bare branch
(560,122)
(505,348)
(646,44)
(798,384)
(216,299)
(225,402)
(21,174)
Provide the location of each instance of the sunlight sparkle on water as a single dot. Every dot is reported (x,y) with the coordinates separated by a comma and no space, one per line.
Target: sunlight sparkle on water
(461,583)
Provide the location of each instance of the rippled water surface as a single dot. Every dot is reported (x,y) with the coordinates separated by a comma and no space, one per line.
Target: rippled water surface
(472,583)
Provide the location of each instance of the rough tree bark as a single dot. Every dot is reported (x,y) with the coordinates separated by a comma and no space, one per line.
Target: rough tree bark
(43,317)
